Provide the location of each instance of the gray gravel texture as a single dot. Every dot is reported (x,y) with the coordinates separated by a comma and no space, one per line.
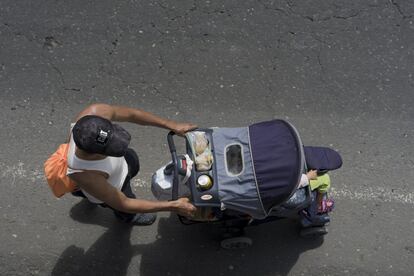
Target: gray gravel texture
(340,71)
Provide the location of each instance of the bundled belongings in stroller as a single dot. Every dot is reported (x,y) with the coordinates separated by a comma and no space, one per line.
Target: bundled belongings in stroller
(249,175)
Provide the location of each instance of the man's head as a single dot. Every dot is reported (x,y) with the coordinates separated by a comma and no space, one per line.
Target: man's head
(95,134)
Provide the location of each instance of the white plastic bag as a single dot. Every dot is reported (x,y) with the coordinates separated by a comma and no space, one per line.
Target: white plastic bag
(161,184)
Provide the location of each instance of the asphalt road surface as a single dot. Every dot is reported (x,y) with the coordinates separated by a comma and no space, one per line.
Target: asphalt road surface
(340,71)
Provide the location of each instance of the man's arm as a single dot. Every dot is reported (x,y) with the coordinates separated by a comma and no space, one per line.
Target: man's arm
(134,115)
(97,186)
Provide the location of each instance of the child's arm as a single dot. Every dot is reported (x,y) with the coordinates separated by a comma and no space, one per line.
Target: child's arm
(305,179)
(312,174)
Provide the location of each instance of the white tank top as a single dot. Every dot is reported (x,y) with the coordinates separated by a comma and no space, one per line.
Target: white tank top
(115,167)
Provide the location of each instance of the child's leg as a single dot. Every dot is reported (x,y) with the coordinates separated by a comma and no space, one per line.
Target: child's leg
(319,198)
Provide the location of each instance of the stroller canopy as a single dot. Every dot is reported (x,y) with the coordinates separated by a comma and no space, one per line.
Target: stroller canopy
(257,167)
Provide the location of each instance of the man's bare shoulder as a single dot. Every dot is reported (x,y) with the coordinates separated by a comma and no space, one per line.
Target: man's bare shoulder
(99,109)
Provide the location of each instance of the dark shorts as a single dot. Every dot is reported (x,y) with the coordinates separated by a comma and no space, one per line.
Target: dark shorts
(132,160)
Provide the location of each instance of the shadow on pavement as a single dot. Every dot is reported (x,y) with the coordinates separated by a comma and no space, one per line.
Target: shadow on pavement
(195,250)
(110,255)
(183,250)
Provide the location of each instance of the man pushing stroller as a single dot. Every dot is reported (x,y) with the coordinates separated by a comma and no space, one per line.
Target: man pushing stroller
(101,164)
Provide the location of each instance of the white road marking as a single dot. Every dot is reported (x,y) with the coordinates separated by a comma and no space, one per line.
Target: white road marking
(19,171)
(377,193)
(140,183)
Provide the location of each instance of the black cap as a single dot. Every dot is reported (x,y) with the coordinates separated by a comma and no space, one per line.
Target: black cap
(95,134)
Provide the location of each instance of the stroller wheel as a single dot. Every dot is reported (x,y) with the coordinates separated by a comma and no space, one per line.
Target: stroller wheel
(236,243)
(313,232)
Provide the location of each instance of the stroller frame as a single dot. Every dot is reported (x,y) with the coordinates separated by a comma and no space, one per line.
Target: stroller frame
(234,222)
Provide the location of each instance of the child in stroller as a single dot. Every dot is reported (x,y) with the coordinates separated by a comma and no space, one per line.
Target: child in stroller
(248,176)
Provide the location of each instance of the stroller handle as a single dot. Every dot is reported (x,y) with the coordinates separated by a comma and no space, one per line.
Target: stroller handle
(173,151)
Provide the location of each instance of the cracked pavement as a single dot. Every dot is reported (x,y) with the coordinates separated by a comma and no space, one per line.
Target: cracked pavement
(340,71)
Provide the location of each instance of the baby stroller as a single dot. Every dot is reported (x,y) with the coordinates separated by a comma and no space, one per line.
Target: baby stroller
(246,176)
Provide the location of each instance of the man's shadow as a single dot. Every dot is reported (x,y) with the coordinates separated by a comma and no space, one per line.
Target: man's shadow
(111,254)
(182,250)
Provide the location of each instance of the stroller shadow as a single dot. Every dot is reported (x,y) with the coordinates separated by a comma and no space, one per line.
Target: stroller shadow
(195,250)
(181,250)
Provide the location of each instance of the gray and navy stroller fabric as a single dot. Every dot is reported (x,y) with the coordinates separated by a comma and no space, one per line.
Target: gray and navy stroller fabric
(255,169)
(273,160)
